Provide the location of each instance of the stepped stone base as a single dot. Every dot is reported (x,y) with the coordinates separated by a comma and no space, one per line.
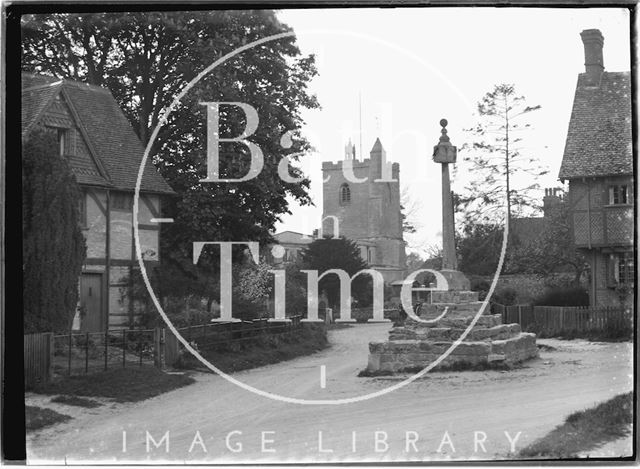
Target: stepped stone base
(415,345)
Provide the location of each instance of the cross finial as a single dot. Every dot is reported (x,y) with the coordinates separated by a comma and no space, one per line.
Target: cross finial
(444,137)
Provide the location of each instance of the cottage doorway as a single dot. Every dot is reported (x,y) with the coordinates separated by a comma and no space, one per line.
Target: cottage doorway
(91,319)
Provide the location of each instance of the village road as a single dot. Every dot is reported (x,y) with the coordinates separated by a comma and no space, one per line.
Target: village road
(442,411)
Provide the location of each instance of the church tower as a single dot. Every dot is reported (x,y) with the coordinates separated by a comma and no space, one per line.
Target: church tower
(361,201)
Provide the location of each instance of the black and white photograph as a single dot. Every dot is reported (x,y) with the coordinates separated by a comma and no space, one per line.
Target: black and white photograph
(323,234)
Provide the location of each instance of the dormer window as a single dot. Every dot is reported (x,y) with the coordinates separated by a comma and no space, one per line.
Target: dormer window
(345,194)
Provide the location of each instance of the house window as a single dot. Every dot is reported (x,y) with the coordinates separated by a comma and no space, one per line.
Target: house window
(121,201)
(345,194)
(82,209)
(624,268)
(62,141)
(618,194)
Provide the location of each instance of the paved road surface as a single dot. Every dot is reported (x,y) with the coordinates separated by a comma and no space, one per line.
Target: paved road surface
(432,418)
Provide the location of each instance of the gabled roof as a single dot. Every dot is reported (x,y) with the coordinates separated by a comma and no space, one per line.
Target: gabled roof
(115,147)
(599,136)
(292,237)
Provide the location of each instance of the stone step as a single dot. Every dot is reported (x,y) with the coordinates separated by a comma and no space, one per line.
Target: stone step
(456,322)
(500,331)
(409,355)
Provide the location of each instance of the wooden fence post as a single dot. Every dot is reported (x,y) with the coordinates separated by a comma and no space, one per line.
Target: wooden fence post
(51,352)
(170,349)
(106,349)
(157,341)
(69,354)
(86,353)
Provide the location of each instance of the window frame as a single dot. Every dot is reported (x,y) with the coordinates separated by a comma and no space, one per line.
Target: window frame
(63,136)
(344,194)
(82,209)
(624,265)
(620,192)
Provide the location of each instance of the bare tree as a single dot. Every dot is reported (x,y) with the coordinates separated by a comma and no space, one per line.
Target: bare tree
(497,158)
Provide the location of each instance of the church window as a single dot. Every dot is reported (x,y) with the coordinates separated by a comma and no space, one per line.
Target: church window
(345,194)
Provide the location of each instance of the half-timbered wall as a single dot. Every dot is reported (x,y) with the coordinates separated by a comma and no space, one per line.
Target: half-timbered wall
(603,231)
(597,222)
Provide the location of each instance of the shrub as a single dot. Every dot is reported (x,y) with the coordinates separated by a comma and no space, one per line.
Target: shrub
(481,286)
(505,296)
(563,296)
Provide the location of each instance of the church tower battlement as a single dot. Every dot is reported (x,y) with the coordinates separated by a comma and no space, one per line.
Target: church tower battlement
(366,209)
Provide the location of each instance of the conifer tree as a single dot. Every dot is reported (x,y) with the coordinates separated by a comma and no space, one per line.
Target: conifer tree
(53,245)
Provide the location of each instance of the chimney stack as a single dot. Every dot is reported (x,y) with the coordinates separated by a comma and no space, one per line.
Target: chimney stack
(552,199)
(593,61)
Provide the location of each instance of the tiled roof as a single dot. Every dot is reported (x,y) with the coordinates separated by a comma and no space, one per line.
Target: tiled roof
(35,99)
(292,237)
(599,136)
(110,136)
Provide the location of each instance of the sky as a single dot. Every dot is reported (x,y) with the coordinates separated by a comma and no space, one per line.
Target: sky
(406,68)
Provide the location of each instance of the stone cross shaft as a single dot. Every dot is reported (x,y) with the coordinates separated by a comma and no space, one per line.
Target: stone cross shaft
(445,153)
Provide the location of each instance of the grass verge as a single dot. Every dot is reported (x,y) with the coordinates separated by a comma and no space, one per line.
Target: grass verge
(584,430)
(76,401)
(606,334)
(263,350)
(122,384)
(36,418)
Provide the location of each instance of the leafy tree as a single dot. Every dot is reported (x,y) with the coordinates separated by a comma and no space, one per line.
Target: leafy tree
(498,160)
(479,249)
(53,245)
(552,251)
(414,262)
(252,285)
(433,258)
(340,253)
(145,59)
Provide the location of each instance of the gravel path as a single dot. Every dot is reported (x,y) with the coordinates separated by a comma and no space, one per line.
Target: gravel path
(437,417)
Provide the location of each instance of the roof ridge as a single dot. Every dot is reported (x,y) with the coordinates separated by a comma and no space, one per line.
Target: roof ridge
(83,85)
(64,81)
(39,87)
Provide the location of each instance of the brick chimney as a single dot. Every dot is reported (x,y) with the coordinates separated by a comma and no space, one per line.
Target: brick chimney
(552,199)
(593,61)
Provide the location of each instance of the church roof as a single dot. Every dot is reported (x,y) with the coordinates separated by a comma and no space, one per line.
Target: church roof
(377,146)
(599,136)
(115,148)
